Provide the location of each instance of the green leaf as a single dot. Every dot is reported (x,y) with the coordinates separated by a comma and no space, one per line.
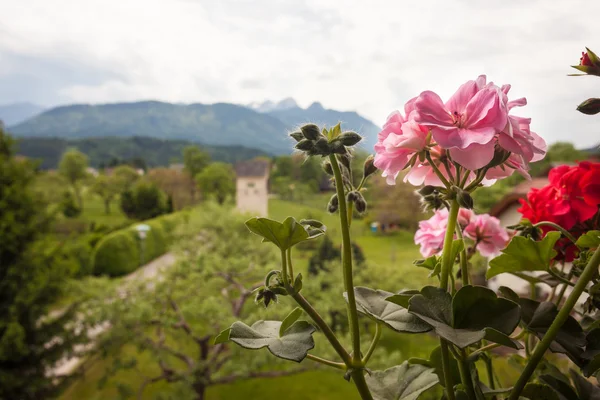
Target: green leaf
(537,317)
(585,389)
(373,304)
(589,240)
(525,254)
(539,391)
(403,297)
(560,387)
(335,132)
(591,355)
(428,263)
(474,314)
(402,382)
(593,57)
(222,337)
(289,320)
(283,235)
(293,345)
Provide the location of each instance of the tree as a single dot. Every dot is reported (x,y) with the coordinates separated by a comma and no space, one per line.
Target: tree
(194,161)
(174,183)
(107,188)
(218,180)
(31,278)
(73,165)
(144,201)
(125,176)
(174,320)
(69,206)
(397,204)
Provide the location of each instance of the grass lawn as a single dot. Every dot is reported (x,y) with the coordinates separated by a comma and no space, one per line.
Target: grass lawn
(390,256)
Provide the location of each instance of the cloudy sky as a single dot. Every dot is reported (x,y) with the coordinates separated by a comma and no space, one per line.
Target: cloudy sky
(369,56)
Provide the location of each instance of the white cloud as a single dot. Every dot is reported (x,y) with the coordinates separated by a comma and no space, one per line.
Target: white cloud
(366,56)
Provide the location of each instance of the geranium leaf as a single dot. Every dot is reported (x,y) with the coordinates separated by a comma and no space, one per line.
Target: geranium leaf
(560,387)
(403,297)
(591,355)
(539,391)
(222,337)
(292,345)
(435,359)
(589,240)
(585,389)
(402,382)
(525,254)
(475,313)
(373,303)
(283,235)
(289,320)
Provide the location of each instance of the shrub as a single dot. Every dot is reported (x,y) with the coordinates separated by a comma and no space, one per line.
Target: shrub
(145,200)
(120,253)
(70,208)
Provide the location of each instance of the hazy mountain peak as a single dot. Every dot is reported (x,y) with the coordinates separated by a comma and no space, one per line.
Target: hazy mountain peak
(316,106)
(12,114)
(268,105)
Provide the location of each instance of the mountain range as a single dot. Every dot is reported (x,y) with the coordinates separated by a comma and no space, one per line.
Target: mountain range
(260,126)
(12,114)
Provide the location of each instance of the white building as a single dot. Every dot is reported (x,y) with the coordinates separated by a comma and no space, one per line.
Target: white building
(252,187)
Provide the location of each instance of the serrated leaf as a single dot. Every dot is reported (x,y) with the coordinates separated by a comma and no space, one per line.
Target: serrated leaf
(293,345)
(283,235)
(222,337)
(373,303)
(525,254)
(289,320)
(474,314)
(402,382)
(589,240)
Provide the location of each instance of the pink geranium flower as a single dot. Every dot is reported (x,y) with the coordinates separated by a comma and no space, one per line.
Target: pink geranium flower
(430,235)
(399,140)
(487,233)
(467,123)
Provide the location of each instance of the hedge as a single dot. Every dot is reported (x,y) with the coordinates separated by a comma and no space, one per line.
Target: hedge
(119,253)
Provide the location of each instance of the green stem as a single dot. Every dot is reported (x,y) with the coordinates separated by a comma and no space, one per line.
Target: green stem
(563,288)
(446,369)
(315,316)
(562,230)
(358,377)
(347,261)
(447,260)
(465,374)
(586,276)
(373,345)
(437,171)
(491,346)
(464,270)
(329,363)
(490,372)
(290,266)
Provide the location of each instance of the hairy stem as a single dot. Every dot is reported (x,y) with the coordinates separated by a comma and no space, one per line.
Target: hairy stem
(446,367)
(562,230)
(447,260)
(465,374)
(587,274)
(347,261)
(464,270)
(437,171)
(315,316)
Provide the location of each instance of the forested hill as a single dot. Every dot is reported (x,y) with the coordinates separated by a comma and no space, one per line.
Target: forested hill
(155,152)
(214,124)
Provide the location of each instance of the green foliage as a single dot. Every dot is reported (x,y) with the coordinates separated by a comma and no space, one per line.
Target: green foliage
(72,167)
(144,201)
(283,235)
(402,382)
(195,160)
(69,206)
(218,181)
(125,177)
(101,150)
(294,177)
(107,188)
(32,275)
(120,252)
(525,254)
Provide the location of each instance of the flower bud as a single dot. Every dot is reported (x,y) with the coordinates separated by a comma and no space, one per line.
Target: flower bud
(265,296)
(352,196)
(297,136)
(359,203)
(345,159)
(590,106)
(464,199)
(305,145)
(333,204)
(338,147)
(322,147)
(311,131)
(500,156)
(327,168)
(426,190)
(369,167)
(350,138)
(589,63)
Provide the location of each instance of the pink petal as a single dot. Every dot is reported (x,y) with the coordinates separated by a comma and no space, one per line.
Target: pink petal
(459,100)
(475,156)
(484,110)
